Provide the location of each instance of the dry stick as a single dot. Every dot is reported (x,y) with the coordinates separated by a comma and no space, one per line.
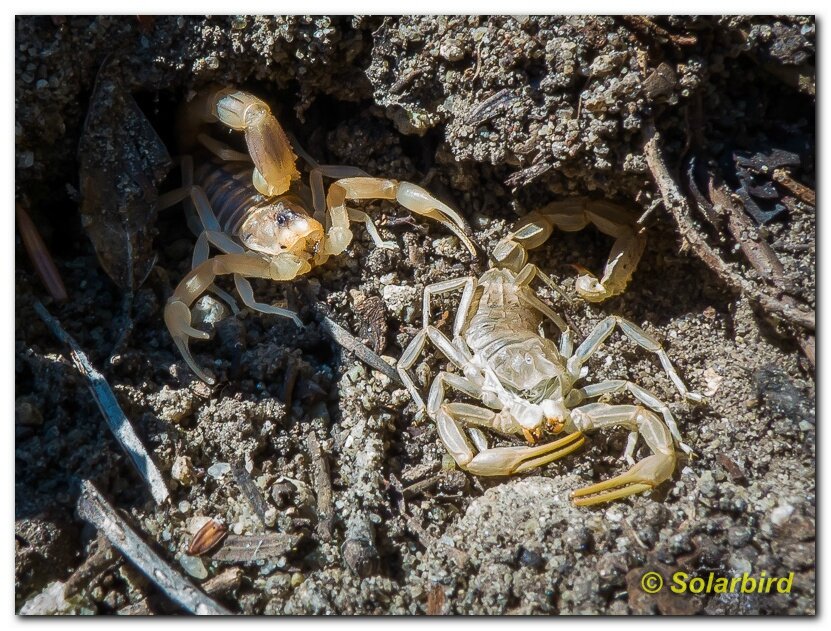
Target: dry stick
(804,193)
(678,207)
(760,255)
(93,508)
(323,483)
(223,583)
(93,566)
(117,421)
(757,251)
(420,487)
(354,345)
(39,255)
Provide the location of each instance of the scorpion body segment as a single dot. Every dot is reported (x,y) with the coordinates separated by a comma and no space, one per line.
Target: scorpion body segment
(527,384)
(270,225)
(265,222)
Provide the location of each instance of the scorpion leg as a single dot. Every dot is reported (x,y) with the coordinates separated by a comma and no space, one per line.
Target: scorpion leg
(635,334)
(467,284)
(644,475)
(497,460)
(359,215)
(205,224)
(316,175)
(524,279)
(571,216)
(530,271)
(221,150)
(177,313)
(319,196)
(414,350)
(463,384)
(613,386)
(227,245)
(202,252)
(410,196)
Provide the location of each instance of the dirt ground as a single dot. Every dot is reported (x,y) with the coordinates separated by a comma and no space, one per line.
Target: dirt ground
(497,116)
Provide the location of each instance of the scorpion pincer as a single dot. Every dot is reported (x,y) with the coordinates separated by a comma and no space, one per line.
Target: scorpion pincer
(257,216)
(528,385)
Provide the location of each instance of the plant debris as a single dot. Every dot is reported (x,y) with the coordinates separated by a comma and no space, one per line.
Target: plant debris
(97,511)
(122,160)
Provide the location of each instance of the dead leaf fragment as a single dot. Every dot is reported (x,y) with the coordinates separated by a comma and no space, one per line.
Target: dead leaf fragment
(122,161)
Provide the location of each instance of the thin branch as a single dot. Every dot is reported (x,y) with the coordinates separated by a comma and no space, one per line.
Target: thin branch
(117,421)
(39,255)
(323,484)
(95,509)
(355,346)
(679,208)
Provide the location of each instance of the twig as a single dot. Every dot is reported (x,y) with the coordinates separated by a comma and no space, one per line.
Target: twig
(323,484)
(223,583)
(102,558)
(757,251)
(677,204)
(490,107)
(405,80)
(420,487)
(354,345)
(39,255)
(761,256)
(92,507)
(436,600)
(117,421)
(359,550)
(807,195)
(647,27)
(140,608)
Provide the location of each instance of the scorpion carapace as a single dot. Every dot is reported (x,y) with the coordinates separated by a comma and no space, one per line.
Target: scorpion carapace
(258,216)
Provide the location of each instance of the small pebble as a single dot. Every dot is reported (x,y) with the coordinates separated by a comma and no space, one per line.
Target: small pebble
(182,470)
(781,514)
(193,566)
(27,414)
(218,469)
(26,160)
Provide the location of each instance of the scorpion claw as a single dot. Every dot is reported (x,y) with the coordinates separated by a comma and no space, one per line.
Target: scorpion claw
(645,475)
(177,316)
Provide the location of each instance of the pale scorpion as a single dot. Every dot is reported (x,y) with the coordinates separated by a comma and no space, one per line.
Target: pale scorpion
(257,216)
(526,383)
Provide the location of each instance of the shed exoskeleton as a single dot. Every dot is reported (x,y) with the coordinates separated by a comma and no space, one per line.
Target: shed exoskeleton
(528,385)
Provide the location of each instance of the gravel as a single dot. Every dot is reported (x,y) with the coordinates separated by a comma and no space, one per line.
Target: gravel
(498,116)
